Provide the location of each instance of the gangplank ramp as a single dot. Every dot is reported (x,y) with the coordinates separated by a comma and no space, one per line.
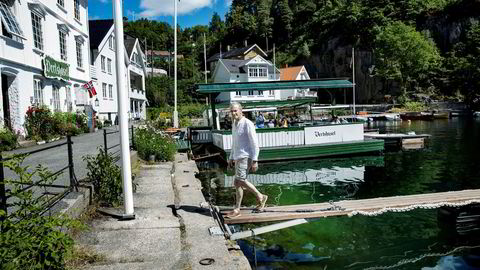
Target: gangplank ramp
(373,206)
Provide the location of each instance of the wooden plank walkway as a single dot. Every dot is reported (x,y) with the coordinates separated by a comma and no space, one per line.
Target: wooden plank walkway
(349,207)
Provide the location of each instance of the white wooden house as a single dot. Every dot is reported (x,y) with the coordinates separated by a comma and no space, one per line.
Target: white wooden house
(43,56)
(250,70)
(294,74)
(102,49)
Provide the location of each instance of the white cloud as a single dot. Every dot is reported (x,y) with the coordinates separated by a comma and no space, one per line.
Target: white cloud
(152,8)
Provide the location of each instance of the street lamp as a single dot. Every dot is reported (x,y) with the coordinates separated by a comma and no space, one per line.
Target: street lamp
(175,112)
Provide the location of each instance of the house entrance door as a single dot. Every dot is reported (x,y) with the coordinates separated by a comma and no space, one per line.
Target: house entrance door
(6,103)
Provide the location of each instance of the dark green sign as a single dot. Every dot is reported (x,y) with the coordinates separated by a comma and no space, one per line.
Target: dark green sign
(55,70)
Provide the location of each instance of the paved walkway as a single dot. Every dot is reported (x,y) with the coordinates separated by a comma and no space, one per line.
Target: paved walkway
(170,230)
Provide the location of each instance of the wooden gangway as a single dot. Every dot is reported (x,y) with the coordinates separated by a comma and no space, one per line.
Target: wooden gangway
(373,206)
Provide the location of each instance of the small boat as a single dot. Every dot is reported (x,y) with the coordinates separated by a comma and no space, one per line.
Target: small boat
(441,115)
(393,117)
(417,116)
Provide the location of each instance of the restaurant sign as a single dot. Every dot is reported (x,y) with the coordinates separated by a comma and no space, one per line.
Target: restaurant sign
(55,69)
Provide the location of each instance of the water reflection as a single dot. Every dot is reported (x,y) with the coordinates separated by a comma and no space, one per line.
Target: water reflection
(413,240)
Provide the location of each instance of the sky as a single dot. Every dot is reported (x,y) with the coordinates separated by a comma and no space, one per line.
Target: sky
(189,12)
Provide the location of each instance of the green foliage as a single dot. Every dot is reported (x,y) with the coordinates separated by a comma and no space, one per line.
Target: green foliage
(185,122)
(106,178)
(404,54)
(414,106)
(8,140)
(39,122)
(149,142)
(30,239)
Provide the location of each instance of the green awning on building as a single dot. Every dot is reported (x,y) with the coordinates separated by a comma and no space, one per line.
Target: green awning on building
(272,103)
(272,85)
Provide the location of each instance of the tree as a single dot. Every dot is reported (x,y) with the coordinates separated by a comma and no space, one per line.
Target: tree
(264,21)
(284,20)
(241,25)
(404,54)
(159,91)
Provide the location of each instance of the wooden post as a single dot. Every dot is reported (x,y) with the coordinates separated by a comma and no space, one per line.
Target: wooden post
(214,113)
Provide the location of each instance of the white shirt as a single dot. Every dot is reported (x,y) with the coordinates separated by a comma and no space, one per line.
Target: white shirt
(244,138)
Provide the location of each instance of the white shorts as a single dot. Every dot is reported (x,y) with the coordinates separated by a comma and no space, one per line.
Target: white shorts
(242,166)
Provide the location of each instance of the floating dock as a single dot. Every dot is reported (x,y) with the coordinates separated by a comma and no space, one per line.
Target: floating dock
(349,207)
(407,141)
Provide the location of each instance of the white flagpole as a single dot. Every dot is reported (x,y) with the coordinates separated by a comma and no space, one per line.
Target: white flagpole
(175,112)
(353,79)
(123,104)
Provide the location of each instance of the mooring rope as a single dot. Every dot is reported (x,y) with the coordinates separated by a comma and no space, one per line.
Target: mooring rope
(413,260)
(411,207)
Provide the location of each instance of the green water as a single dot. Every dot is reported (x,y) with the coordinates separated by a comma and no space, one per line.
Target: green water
(412,240)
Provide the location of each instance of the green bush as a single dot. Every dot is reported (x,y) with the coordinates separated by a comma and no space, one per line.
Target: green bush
(98,124)
(29,238)
(8,140)
(106,178)
(107,123)
(148,143)
(185,122)
(39,122)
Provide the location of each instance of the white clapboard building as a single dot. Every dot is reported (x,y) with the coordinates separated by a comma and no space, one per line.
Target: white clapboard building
(44,57)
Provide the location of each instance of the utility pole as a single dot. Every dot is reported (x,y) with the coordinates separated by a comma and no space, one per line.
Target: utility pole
(151,56)
(205,58)
(353,79)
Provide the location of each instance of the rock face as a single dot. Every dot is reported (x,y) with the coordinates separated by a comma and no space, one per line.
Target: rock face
(334,60)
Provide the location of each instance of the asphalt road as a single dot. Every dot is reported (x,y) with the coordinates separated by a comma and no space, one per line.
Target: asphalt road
(57,158)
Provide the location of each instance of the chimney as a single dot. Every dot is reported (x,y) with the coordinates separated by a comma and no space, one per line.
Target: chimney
(245,42)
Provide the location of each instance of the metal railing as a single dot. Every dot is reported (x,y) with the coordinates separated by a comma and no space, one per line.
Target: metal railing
(55,196)
(106,147)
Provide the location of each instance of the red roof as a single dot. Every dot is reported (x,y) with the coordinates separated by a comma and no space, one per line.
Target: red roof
(290,73)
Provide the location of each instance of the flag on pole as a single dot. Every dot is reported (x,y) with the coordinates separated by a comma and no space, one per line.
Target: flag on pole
(91,90)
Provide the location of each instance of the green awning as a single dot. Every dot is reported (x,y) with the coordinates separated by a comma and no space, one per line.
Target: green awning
(272,85)
(273,103)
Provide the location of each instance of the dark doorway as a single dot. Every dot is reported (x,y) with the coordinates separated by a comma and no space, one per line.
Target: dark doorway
(6,103)
(110,117)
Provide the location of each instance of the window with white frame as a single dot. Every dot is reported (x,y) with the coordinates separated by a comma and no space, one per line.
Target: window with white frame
(257,71)
(76,9)
(61,3)
(102,63)
(63,44)
(109,65)
(79,54)
(104,90)
(56,98)
(271,92)
(10,25)
(260,92)
(250,92)
(110,91)
(37,31)
(37,92)
(238,93)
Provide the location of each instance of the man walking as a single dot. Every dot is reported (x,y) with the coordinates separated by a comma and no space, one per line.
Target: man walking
(244,154)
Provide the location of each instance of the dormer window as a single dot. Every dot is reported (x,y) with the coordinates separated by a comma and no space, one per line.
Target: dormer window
(257,71)
(61,3)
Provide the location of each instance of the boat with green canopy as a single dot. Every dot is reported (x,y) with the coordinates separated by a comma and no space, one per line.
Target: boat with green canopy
(299,142)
